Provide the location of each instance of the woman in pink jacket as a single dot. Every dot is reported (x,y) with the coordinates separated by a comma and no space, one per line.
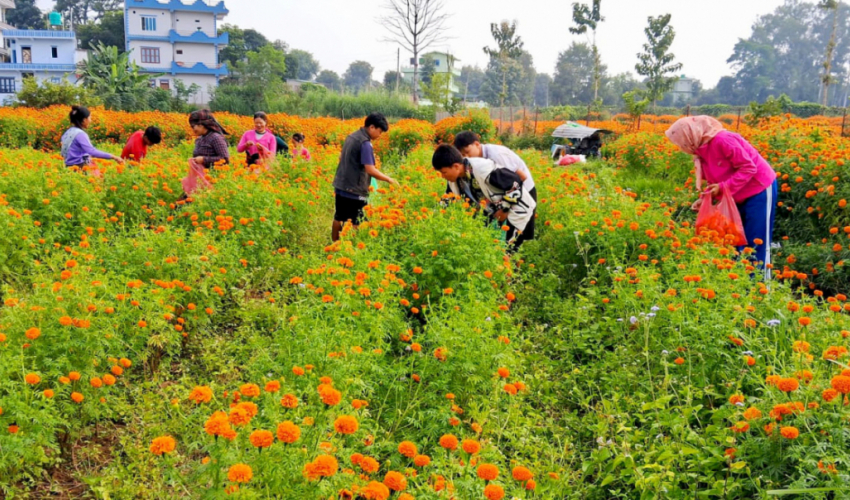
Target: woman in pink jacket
(727,161)
(259,145)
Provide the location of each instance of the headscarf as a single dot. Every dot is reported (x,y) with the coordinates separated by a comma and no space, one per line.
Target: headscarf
(205,117)
(692,133)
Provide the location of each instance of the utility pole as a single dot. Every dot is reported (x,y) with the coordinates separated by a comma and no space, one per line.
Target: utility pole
(397,69)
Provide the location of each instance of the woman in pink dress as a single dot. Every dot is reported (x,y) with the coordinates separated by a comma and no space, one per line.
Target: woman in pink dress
(258,144)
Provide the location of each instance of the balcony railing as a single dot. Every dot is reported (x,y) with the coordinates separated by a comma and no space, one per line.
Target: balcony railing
(184,37)
(178,5)
(67,68)
(192,68)
(38,34)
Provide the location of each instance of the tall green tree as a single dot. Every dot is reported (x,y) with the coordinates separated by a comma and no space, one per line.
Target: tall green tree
(358,76)
(264,68)
(829,5)
(330,79)
(429,68)
(586,19)
(83,11)
(508,49)
(573,82)
(108,31)
(26,16)
(471,78)
(301,65)
(656,62)
(241,42)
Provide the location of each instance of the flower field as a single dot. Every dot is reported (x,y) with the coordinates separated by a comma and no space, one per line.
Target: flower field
(224,349)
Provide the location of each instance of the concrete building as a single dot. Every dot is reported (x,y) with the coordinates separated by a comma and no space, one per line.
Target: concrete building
(683,90)
(179,40)
(5,5)
(42,54)
(444,63)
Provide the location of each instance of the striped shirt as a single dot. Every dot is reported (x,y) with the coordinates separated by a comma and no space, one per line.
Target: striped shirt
(213,147)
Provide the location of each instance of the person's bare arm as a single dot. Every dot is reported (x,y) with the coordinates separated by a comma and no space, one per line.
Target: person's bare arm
(374,172)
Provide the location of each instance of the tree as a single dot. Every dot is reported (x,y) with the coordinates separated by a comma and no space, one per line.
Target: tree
(241,42)
(573,82)
(109,31)
(429,69)
(830,47)
(115,79)
(618,85)
(542,85)
(330,79)
(472,78)
(416,25)
(508,47)
(393,79)
(301,65)
(27,16)
(265,68)
(83,11)
(656,61)
(587,19)
(44,93)
(358,76)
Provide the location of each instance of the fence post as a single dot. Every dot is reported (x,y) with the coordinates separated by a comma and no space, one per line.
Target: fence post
(587,119)
(843,122)
(501,120)
(511,128)
(639,117)
(688,111)
(738,125)
(537,115)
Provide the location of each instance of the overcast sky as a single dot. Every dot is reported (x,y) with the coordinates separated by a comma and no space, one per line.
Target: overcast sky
(338,32)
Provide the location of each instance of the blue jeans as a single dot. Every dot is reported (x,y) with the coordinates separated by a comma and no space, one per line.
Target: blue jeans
(758,214)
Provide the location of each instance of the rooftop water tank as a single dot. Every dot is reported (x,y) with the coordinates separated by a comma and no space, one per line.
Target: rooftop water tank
(55,19)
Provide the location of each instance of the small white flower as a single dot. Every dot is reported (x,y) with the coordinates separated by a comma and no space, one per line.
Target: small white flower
(748,353)
(650,315)
(487,318)
(773,322)
(633,320)
(655,309)
(741,404)
(665,352)
(619,320)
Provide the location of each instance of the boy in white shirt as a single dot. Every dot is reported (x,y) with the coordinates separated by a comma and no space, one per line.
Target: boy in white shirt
(472,178)
(469,145)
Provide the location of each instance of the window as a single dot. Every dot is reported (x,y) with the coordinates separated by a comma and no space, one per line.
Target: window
(437,62)
(7,85)
(56,79)
(150,55)
(26,55)
(165,84)
(179,52)
(148,23)
(54,52)
(152,83)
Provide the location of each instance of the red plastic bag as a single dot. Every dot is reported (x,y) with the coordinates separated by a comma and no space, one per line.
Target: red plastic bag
(722,221)
(195,179)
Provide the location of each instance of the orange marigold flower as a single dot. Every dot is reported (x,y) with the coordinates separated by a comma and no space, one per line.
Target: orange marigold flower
(77,397)
(679,361)
(374,491)
(32,378)
(48,393)
(272,386)
(736,398)
(369,465)
(510,389)
(250,390)
(487,472)
(504,372)
(752,413)
(805,321)
(841,383)
(346,424)
(789,432)
(322,466)
(297,370)
(261,439)
(33,333)
(239,415)
(240,473)
(449,442)
(201,394)
(289,401)
(421,460)
(407,448)
(521,474)
(829,394)
(288,433)
(788,384)
(163,445)
(772,379)
(330,396)
(470,446)
(395,481)
(494,492)
(740,427)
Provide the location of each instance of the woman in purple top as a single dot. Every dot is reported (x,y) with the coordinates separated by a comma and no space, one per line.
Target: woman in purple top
(77,149)
(728,162)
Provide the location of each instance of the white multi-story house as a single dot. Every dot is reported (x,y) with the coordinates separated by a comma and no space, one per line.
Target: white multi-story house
(683,89)
(42,54)
(5,54)
(178,40)
(443,63)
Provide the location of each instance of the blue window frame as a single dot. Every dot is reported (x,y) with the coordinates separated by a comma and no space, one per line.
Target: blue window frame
(148,23)
(7,85)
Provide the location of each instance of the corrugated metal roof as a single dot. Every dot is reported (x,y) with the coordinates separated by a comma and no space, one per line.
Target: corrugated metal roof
(573,130)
